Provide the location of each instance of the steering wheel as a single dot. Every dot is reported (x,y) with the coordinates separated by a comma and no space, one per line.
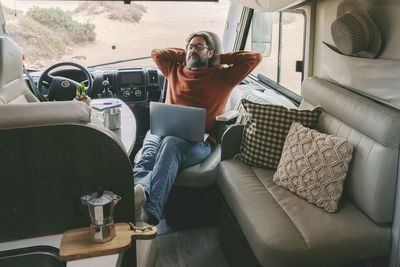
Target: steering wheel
(61,88)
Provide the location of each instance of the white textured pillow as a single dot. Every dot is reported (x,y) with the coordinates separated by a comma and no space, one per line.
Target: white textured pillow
(314,166)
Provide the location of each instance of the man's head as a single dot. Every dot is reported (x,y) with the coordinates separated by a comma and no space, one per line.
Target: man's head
(200,48)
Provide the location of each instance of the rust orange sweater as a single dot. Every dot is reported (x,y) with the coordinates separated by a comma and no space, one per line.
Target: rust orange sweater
(207,88)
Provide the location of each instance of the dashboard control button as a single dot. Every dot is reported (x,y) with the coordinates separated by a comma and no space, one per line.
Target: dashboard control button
(126,93)
(138,93)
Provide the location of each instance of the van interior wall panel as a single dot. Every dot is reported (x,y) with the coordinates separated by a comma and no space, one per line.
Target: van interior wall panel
(378,78)
(385,14)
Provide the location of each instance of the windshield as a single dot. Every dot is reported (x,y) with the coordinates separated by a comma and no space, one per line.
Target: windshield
(96,32)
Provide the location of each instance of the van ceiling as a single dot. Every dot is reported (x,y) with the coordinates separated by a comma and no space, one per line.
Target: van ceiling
(129,1)
(268,5)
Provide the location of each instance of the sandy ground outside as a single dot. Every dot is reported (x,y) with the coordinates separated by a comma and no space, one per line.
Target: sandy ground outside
(161,26)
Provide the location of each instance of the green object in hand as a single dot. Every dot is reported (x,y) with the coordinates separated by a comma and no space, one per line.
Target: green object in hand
(78,90)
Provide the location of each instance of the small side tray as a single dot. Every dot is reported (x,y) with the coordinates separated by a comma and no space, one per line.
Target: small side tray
(76,243)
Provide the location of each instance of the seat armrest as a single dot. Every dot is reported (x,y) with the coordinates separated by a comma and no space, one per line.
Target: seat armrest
(227,116)
(43,113)
(200,175)
(231,140)
(223,121)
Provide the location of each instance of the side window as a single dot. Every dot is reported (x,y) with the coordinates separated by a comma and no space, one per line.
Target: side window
(282,46)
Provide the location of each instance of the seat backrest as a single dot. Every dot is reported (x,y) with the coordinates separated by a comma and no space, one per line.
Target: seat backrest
(13,88)
(46,169)
(374,130)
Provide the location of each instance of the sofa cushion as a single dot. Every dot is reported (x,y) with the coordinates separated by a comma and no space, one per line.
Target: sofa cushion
(374,129)
(285,230)
(314,165)
(266,130)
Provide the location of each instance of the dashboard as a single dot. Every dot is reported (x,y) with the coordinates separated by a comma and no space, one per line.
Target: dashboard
(136,86)
(133,85)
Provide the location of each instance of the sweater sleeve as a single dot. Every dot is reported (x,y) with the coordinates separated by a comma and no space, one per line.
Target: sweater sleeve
(165,59)
(242,63)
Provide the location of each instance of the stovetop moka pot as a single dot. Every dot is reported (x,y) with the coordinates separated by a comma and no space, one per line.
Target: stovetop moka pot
(101,209)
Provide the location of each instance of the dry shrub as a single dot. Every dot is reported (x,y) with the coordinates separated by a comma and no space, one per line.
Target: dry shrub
(45,34)
(63,25)
(113,10)
(37,42)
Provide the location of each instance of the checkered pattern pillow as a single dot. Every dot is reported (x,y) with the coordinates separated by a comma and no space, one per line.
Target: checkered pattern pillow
(269,96)
(266,130)
(251,97)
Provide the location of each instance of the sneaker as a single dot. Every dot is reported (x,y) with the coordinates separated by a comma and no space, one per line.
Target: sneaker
(140,198)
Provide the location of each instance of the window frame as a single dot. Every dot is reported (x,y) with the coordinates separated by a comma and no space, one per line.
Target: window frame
(260,77)
(295,11)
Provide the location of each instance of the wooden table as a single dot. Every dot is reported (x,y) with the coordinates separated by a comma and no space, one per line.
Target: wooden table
(127,132)
(76,243)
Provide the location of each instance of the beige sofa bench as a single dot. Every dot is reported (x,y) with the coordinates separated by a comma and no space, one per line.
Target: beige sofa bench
(265,224)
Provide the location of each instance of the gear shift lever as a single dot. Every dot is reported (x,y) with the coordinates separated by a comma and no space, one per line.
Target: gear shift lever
(106,93)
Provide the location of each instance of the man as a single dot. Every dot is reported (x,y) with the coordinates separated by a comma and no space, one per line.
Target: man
(196,77)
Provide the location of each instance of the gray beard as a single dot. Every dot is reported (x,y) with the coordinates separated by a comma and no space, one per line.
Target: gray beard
(196,61)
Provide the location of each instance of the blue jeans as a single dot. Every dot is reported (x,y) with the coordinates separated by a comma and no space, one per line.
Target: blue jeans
(161,158)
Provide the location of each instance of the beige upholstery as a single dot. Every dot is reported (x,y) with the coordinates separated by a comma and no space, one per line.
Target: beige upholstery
(285,230)
(43,114)
(375,131)
(12,83)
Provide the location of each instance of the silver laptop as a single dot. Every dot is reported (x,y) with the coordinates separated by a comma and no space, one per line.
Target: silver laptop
(175,120)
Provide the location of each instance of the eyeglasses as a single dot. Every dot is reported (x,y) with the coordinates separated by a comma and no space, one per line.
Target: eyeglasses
(198,47)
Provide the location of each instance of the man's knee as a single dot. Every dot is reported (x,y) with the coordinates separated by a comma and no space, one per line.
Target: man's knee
(172,143)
